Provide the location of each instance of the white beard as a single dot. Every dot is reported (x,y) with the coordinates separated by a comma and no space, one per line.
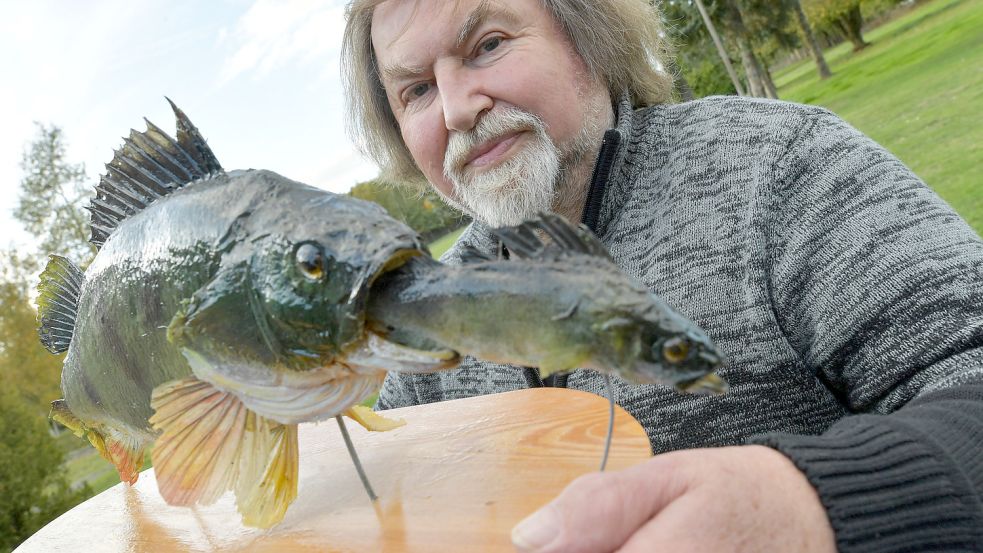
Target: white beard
(517,189)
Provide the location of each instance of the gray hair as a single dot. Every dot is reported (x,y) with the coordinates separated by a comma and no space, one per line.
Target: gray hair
(620,41)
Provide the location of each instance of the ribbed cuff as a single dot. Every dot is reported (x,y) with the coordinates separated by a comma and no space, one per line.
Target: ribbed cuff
(886,488)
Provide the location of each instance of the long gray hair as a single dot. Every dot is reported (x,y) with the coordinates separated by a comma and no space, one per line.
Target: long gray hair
(620,41)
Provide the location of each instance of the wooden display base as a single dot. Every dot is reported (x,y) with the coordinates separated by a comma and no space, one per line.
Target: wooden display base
(457,477)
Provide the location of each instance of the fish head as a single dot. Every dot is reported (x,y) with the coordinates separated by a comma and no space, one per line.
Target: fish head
(291,290)
(312,274)
(656,345)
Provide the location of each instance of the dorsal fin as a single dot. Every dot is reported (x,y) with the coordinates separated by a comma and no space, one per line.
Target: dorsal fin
(58,296)
(565,239)
(149,165)
(471,254)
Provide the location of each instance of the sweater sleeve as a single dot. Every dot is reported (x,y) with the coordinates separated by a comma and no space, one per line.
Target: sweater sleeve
(878,285)
(398,390)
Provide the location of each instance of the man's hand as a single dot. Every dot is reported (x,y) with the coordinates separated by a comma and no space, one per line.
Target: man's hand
(748,498)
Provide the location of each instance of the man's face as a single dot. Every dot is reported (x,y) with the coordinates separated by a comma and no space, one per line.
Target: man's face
(493,102)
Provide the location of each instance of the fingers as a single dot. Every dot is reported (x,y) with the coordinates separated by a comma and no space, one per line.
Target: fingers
(599,511)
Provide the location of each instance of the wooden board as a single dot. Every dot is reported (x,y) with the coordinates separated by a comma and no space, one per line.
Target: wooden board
(457,477)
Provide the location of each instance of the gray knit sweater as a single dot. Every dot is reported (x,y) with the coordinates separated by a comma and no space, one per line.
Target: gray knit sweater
(847,297)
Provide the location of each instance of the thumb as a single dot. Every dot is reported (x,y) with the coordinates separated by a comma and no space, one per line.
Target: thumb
(599,511)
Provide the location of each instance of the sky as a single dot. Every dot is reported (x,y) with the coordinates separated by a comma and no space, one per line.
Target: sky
(259,78)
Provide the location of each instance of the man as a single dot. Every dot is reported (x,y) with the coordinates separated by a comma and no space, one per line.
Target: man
(847,297)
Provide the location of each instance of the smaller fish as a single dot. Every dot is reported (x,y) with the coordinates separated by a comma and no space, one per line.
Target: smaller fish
(558,305)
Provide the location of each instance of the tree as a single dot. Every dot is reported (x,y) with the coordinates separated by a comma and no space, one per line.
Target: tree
(695,58)
(25,366)
(810,40)
(838,17)
(33,490)
(712,30)
(53,192)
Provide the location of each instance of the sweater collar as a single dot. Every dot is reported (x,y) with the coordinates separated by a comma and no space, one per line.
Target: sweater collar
(609,162)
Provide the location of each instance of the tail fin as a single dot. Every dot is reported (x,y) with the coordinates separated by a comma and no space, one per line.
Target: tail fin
(58,297)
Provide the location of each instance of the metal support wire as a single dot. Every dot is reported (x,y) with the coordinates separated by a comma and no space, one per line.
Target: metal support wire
(607,440)
(354,456)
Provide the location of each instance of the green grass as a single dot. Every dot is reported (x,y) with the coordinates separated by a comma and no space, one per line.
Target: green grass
(89,467)
(918,91)
(442,244)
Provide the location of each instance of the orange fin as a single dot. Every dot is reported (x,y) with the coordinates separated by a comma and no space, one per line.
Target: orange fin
(210,443)
(372,421)
(127,457)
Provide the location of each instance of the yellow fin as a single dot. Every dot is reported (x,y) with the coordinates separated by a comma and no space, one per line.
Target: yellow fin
(371,420)
(62,414)
(210,443)
(268,484)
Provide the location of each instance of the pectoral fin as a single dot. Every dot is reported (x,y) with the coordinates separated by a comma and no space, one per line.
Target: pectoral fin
(372,421)
(211,443)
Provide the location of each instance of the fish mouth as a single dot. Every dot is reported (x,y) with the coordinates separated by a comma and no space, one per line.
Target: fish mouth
(707,385)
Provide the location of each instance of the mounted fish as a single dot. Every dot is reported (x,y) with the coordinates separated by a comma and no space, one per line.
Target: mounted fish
(559,303)
(222,309)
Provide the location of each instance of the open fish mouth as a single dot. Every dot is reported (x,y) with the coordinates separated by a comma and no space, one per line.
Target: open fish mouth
(708,385)
(380,351)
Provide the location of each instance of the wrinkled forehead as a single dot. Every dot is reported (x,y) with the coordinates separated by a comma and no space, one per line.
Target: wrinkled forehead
(392,20)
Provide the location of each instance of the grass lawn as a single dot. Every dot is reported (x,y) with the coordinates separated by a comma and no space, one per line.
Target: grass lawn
(918,91)
(442,244)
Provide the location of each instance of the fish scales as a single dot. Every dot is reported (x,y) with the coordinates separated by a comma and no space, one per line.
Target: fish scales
(559,304)
(222,309)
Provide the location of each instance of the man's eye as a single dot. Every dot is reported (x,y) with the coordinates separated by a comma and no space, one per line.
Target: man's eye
(416,91)
(490,44)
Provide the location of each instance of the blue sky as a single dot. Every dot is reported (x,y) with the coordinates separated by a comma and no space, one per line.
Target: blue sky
(259,78)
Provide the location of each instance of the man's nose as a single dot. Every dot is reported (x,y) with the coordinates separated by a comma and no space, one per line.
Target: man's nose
(462,98)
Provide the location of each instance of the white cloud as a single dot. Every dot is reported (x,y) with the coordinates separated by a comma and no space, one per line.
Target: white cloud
(272,34)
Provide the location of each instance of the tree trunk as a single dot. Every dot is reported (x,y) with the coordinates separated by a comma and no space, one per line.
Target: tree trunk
(770,89)
(751,68)
(810,40)
(851,25)
(720,48)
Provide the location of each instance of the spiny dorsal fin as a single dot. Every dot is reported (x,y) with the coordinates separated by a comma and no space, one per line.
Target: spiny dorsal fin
(471,254)
(148,166)
(58,297)
(565,239)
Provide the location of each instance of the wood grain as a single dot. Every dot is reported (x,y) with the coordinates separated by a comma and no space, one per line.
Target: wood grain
(457,477)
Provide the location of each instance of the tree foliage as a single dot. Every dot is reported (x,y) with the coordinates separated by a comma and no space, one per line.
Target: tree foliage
(53,193)
(33,489)
(839,18)
(696,56)
(25,366)
(423,211)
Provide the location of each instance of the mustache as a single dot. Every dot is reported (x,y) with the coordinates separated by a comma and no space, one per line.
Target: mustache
(492,125)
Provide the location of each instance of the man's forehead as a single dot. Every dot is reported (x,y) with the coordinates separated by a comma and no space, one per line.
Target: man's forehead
(452,20)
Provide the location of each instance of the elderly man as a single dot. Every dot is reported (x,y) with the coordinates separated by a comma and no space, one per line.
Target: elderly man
(847,297)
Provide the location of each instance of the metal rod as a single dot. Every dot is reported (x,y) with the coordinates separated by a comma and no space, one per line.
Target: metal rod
(354,455)
(607,440)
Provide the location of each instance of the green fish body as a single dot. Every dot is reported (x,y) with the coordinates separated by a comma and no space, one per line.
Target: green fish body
(558,304)
(222,309)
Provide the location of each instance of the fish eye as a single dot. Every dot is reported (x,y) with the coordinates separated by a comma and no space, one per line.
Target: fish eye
(310,260)
(675,350)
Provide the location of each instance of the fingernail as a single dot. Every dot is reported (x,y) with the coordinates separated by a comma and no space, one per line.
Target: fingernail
(537,530)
